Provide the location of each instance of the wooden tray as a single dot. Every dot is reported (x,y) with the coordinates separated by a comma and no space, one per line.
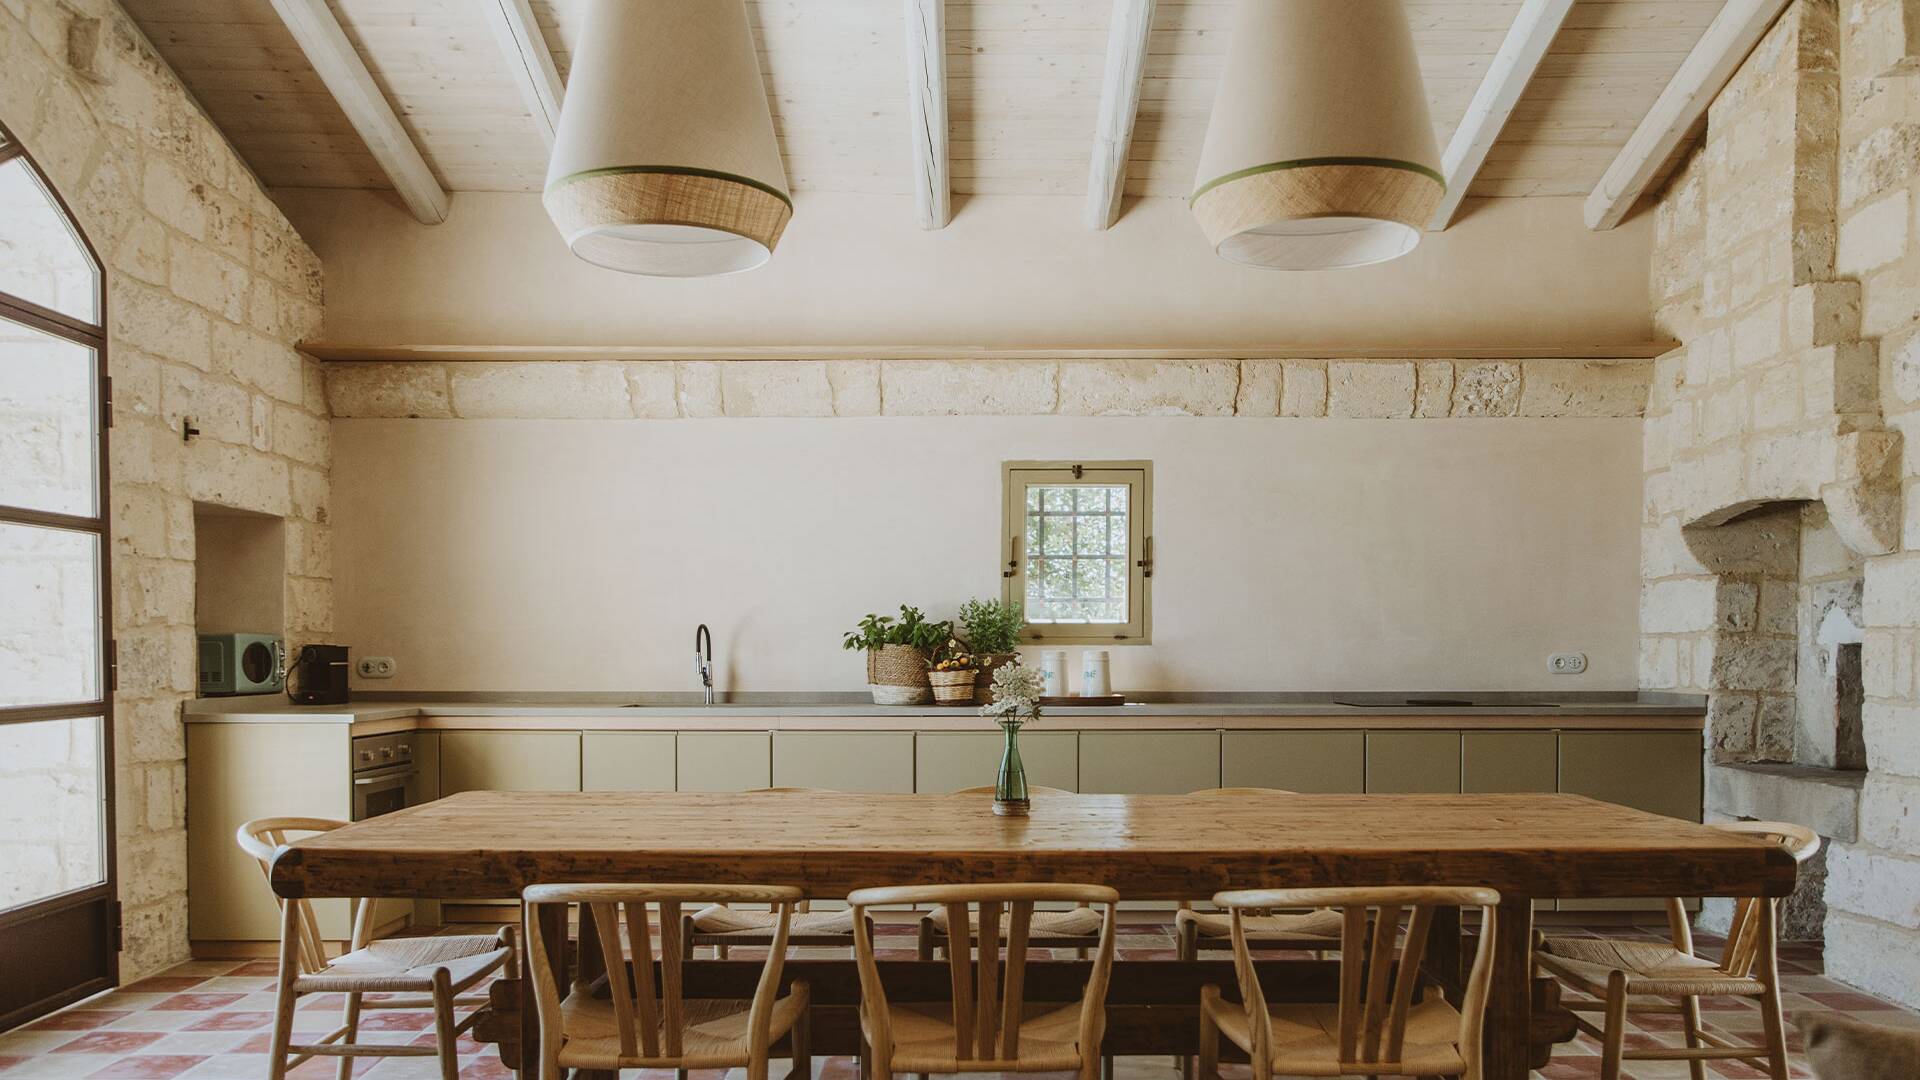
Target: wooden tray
(1063,702)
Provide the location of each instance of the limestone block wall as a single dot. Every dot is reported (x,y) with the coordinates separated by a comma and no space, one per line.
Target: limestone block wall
(208,291)
(1778,442)
(664,389)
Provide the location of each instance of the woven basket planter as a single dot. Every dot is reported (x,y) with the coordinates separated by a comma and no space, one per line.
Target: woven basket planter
(952,687)
(983,684)
(897,675)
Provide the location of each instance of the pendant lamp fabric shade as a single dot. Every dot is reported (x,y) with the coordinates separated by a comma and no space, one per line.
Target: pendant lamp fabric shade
(1320,153)
(665,162)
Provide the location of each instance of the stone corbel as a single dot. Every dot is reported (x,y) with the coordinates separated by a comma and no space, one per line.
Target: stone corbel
(1863,500)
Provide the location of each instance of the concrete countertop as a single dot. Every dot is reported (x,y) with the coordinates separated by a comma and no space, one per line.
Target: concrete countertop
(644,711)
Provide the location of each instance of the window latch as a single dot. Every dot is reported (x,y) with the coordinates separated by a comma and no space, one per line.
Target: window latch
(1013,560)
(1146,559)
(1079,472)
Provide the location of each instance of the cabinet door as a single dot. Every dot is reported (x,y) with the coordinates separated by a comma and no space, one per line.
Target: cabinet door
(952,760)
(1657,771)
(1149,762)
(880,761)
(626,761)
(1497,761)
(509,761)
(1413,762)
(724,760)
(1310,762)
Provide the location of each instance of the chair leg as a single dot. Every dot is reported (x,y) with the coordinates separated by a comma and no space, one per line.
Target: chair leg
(284,996)
(1690,1020)
(444,1038)
(1615,1030)
(1776,1033)
(923,941)
(350,1032)
(1186,944)
(802,1039)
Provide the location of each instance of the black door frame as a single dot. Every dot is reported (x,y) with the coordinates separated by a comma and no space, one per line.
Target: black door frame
(67,947)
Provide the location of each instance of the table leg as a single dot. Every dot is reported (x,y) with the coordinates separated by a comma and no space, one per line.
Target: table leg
(1509,1024)
(1442,962)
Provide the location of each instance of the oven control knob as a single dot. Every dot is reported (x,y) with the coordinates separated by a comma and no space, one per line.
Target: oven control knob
(386,752)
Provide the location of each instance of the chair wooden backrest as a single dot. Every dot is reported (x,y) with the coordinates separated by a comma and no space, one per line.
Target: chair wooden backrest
(651,1020)
(1751,937)
(987,1010)
(261,838)
(1376,981)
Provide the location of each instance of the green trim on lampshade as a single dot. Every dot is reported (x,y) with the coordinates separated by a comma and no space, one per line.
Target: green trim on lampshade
(670,170)
(1307,163)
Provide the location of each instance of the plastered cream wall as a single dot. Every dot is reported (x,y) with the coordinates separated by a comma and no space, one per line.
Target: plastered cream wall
(208,291)
(1010,272)
(1292,552)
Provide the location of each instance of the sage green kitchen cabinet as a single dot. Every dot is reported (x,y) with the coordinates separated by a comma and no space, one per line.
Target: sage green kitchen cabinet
(509,761)
(952,760)
(1413,762)
(724,760)
(1149,762)
(879,761)
(1498,761)
(627,761)
(1656,771)
(1310,762)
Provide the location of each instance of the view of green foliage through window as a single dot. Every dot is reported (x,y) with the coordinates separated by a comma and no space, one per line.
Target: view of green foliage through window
(1077,551)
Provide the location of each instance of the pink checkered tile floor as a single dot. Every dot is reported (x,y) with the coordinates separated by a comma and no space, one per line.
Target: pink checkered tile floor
(209,1020)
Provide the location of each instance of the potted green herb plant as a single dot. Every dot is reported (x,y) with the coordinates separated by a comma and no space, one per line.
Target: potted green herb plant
(991,629)
(898,653)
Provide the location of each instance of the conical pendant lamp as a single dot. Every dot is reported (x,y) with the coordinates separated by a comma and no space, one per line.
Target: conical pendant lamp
(665,162)
(1320,153)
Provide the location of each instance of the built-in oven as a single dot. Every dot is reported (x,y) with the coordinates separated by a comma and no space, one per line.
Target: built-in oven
(383,774)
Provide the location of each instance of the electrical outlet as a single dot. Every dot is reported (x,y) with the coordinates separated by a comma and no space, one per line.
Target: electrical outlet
(1567,663)
(376,667)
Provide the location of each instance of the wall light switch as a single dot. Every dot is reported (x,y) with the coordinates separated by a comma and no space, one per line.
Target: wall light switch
(1567,663)
(376,667)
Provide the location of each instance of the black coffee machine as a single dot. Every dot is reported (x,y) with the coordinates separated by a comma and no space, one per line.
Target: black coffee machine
(319,676)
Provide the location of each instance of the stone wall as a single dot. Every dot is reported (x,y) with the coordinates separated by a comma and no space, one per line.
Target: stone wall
(1779,484)
(1382,389)
(208,290)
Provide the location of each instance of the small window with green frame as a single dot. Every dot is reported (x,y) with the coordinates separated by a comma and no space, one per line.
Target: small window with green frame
(1078,542)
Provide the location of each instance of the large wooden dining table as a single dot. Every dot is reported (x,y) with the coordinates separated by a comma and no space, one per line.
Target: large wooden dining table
(479,845)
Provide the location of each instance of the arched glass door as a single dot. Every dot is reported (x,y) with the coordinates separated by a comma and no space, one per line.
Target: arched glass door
(59,920)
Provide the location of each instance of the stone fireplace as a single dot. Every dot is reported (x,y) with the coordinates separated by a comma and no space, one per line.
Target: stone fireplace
(1781,538)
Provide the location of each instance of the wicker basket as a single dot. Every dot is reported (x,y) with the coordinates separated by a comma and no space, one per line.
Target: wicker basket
(897,675)
(952,687)
(983,685)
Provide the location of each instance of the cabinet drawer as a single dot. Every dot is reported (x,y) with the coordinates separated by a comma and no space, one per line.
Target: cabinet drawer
(1497,761)
(1310,762)
(1413,762)
(844,761)
(509,761)
(1149,762)
(626,761)
(724,760)
(953,760)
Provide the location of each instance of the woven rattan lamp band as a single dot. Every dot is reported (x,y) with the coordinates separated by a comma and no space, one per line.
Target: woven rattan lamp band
(665,162)
(1320,152)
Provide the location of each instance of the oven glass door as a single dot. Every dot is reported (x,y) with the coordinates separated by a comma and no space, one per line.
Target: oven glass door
(381,791)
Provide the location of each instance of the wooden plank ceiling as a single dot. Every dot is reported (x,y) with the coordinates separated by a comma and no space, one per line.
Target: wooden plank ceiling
(1024,84)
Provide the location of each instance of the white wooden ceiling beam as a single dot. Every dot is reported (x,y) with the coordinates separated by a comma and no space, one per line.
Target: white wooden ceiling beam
(1127,39)
(530,60)
(347,78)
(927,110)
(1513,66)
(1677,112)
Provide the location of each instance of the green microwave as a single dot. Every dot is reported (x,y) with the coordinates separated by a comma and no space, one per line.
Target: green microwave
(242,664)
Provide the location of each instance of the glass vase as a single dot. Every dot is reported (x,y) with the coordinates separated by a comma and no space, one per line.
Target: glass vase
(1010,789)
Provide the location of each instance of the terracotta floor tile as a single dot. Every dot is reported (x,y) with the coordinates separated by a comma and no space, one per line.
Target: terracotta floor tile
(199,1002)
(233,1021)
(166,984)
(147,1067)
(76,1020)
(109,1042)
